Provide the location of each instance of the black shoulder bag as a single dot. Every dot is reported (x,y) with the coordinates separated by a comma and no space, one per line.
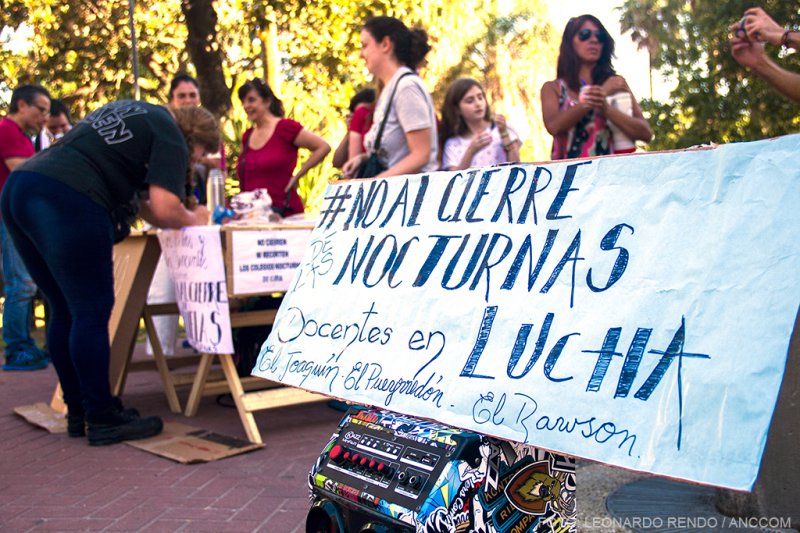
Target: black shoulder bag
(372,166)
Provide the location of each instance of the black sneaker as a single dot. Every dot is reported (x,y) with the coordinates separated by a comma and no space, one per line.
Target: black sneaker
(115,425)
(76,419)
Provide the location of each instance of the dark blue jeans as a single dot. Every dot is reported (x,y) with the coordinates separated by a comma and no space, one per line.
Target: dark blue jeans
(65,240)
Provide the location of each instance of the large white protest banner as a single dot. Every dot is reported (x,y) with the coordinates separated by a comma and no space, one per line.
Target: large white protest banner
(633,310)
(194,260)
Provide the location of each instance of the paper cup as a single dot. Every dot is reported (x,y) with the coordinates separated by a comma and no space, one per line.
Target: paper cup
(624,102)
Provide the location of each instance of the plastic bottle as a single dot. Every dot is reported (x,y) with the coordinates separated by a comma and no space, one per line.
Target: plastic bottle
(215,192)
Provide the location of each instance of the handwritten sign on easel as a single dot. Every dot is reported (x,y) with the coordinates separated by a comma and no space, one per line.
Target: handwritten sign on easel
(194,259)
(633,310)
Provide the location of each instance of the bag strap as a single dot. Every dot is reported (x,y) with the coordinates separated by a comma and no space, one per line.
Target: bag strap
(377,144)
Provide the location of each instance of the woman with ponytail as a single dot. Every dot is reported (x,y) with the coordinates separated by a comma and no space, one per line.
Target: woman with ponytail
(403,132)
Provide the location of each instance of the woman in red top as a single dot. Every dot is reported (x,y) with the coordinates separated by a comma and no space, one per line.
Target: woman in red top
(269,149)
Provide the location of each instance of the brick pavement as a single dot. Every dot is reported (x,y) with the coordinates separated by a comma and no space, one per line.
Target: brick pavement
(54,483)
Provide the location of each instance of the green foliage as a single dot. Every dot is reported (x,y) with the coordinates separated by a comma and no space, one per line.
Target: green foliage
(81,51)
(512,56)
(715,99)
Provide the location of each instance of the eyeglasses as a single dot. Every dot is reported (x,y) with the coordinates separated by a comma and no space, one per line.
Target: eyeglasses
(585,34)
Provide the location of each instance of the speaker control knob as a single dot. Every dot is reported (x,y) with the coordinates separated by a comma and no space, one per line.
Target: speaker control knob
(385,469)
(336,454)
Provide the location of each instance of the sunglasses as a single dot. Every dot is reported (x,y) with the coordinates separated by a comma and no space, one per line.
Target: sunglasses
(585,34)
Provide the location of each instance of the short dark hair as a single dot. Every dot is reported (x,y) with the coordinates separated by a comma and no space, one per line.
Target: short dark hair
(27,94)
(364,96)
(181,78)
(568,61)
(410,46)
(265,92)
(57,107)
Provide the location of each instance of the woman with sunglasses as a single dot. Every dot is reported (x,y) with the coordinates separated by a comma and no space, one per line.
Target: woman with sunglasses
(575,108)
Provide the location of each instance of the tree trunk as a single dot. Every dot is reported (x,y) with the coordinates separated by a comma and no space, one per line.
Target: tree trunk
(204,50)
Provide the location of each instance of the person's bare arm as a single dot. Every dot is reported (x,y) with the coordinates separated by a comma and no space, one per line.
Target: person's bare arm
(760,27)
(751,54)
(164,209)
(419,153)
(634,126)
(319,149)
(356,141)
(510,147)
(558,121)
(340,156)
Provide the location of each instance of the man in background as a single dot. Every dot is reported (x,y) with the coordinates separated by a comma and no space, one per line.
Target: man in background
(58,123)
(28,113)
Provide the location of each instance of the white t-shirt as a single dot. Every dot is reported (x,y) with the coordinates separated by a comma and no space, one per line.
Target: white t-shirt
(492,154)
(412,110)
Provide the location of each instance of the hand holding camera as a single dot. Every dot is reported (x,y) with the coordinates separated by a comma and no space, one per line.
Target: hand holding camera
(757,26)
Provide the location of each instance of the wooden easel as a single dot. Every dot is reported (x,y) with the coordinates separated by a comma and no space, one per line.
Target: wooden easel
(270,396)
(207,382)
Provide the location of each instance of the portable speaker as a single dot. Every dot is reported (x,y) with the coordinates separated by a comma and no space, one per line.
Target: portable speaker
(384,472)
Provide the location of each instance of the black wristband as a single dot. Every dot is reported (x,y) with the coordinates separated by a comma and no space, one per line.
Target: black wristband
(785,38)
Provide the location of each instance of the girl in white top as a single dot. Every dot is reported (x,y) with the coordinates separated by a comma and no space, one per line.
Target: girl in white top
(469,136)
(408,144)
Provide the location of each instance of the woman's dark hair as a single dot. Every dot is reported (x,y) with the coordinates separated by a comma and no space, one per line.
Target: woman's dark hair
(181,78)
(410,46)
(569,63)
(453,123)
(262,90)
(364,96)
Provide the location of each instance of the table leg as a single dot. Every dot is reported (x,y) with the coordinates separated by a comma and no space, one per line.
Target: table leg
(57,403)
(161,363)
(199,384)
(232,377)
